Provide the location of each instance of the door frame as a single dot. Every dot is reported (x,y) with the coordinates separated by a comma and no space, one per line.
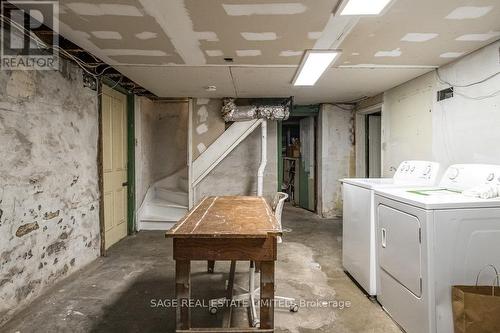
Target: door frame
(361,137)
(300,111)
(130,109)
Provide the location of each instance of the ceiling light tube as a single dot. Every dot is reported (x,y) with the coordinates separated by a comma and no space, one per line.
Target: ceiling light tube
(313,65)
(362,7)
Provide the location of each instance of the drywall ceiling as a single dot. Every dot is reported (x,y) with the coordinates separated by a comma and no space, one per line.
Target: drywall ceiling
(176,48)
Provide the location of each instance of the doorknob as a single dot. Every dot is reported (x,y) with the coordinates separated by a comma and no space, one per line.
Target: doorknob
(125,184)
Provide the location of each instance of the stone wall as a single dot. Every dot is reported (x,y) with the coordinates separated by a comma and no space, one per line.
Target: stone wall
(49,196)
(336,157)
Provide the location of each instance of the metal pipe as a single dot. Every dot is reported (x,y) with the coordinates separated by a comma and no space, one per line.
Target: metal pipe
(263,159)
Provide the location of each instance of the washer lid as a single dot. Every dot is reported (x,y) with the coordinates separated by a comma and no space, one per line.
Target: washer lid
(370,183)
(436,198)
(409,173)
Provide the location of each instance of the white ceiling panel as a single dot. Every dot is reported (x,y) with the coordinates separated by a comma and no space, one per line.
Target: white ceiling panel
(337,84)
(182,81)
(177,47)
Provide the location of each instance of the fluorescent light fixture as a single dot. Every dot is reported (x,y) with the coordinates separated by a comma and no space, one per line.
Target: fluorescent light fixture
(363,7)
(314,64)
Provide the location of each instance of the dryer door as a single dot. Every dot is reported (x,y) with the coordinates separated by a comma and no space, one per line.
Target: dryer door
(400,247)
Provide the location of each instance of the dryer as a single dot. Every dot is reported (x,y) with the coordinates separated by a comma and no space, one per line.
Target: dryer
(429,239)
(358,242)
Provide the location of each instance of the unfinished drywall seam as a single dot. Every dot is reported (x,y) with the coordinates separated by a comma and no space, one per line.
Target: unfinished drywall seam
(173,18)
(264,9)
(335,31)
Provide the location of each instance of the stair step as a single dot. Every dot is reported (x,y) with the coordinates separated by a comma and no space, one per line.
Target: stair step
(165,203)
(156,225)
(163,213)
(172,195)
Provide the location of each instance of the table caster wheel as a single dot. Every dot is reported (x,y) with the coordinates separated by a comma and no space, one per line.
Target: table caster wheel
(294,308)
(213,310)
(255,323)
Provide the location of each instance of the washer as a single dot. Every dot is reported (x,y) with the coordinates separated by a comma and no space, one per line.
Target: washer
(358,242)
(431,239)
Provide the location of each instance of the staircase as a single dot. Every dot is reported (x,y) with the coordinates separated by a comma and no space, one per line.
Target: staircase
(219,149)
(165,203)
(167,200)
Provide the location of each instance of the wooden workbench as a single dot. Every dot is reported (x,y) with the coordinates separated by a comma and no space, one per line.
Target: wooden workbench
(226,228)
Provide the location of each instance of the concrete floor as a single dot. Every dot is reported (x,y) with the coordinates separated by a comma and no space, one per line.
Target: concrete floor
(122,292)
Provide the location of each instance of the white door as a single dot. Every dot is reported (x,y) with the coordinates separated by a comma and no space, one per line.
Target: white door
(114,143)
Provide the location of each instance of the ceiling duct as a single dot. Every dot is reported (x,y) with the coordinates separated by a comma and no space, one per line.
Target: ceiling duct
(248,109)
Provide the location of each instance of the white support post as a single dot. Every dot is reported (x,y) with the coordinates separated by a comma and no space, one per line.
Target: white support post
(263,159)
(260,192)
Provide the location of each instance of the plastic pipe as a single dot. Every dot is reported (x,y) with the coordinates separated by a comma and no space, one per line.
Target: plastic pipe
(263,159)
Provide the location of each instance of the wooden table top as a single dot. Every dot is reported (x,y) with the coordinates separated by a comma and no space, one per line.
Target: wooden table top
(228,217)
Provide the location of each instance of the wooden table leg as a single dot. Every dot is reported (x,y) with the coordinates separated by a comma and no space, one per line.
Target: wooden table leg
(183,293)
(210,266)
(267,294)
(257,267)
(226,318)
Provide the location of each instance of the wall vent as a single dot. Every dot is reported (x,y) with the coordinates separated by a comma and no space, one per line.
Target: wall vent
(445,94)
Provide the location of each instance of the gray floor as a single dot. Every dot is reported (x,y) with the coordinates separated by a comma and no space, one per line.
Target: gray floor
(124,292)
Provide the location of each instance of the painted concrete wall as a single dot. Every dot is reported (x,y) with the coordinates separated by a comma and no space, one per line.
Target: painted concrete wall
(458,130)
(145,118)
(161,142)
(207,124)
(336,157)
(407,123)
(237,173)
(49,197)
(466,127)
(170,138)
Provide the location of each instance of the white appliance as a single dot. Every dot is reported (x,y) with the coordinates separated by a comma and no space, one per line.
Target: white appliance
(430,239)
(358,243)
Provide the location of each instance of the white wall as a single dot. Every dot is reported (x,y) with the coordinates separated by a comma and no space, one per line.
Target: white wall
(457,130)
(237,172)
(207,124)
(467,130)
(407,123)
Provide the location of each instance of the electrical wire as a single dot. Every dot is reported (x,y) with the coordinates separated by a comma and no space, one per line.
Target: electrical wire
(477,98)
(41,44)
(343,107)
(464,85)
